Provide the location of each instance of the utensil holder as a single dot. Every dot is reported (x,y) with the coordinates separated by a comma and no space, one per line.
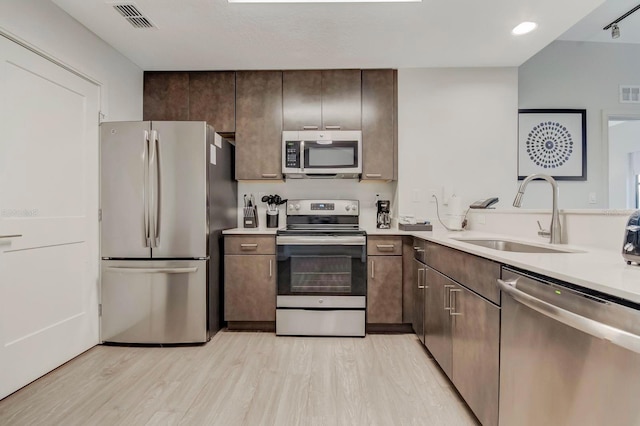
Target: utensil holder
(272,219)
(250,219)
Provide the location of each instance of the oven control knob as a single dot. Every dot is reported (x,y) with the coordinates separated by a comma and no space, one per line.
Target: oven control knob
(297,207)
(347,207)
(320,300)
(290,206)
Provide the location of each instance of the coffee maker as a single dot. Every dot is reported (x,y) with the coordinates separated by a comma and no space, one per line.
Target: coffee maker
(384,214)
(631,243)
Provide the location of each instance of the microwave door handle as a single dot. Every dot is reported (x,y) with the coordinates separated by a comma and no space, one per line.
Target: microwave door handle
(302,156)
(324,142)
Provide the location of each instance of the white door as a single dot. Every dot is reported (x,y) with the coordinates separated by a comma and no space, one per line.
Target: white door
(48,196)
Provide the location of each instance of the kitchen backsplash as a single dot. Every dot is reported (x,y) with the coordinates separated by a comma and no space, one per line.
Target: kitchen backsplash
(600,229)
(365,192)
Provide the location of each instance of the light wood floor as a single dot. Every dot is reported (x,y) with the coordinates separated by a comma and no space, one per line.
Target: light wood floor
(243,378)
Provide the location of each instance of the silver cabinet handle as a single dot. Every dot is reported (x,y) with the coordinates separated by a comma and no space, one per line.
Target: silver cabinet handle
(302,155)
(269,175)
(332,127)
(145,188)
(420,270)
(447,286)
(373,175)
(246,246)
(597,329)
(11,236)
(309,127)
(385,246)
(373,269)
(452,301)
(270,269)
(130,270)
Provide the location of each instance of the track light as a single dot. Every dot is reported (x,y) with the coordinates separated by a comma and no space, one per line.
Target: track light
(615,31)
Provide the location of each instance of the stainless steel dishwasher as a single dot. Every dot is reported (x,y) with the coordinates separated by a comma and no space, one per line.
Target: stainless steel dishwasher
(568,357)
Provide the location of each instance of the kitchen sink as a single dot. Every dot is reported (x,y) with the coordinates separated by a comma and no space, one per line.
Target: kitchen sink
(513,246)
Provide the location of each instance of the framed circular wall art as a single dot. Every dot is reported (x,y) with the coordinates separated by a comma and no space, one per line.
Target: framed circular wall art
(553,142)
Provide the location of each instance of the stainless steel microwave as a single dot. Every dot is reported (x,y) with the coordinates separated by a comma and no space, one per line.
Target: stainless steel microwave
(322,154)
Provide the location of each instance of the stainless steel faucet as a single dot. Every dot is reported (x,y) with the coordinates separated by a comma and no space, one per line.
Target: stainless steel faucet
(555,233)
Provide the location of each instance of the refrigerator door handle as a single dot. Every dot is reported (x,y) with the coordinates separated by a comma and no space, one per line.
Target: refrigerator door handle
(158,189)
(130,270)
(154,187)
(145,188)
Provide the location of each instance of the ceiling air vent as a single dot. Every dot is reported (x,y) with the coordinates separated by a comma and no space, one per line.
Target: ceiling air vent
(630,94)
(133,15)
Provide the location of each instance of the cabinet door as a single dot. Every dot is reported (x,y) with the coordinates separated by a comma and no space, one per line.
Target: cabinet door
(438,322)
(212,98)
(476,353)
(259,125)
(384,290)
(407,280)
(341,99)
(302,100)
(379,124)
(166,96)
(249,288)
(418,299)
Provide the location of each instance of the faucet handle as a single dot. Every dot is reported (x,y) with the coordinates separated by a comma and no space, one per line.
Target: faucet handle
(543,232)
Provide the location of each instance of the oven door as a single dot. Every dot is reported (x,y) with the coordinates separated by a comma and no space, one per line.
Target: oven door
(322,265)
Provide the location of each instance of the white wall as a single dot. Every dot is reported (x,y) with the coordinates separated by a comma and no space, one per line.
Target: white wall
(624,138)
(49,29)
(457,131)
(580,75)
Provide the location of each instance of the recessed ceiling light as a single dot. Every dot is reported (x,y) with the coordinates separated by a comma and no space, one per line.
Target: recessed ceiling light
(524,28)
(324,1)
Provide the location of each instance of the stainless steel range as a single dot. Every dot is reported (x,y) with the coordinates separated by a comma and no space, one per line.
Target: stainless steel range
(322,273)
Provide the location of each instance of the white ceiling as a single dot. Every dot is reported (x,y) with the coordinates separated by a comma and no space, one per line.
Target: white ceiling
(590,28)
(217,35)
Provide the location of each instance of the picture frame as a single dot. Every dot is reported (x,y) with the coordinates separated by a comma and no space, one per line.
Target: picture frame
(552,142)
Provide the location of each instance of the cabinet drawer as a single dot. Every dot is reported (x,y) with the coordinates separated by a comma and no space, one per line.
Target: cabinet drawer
(384,246)
(474,272)
(261,244)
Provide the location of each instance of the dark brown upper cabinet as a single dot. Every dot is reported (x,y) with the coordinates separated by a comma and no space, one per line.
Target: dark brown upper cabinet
(324,100)
(212,98)
(379,125)
(166,96)
(258,125)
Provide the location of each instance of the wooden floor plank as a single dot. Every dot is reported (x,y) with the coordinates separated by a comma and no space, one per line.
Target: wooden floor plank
(246,378)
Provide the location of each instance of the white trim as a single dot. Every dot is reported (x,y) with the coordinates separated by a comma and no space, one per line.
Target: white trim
(51,58)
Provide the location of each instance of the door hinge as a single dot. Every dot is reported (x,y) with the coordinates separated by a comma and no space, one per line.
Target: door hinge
(99,215)
(101,116)
(99,309)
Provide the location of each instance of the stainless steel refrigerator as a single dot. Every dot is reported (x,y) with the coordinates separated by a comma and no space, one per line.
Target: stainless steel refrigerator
(167,191)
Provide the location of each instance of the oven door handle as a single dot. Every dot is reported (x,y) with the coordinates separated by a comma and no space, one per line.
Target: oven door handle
(299,240)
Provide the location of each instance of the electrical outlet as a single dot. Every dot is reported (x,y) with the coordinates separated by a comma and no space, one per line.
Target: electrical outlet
(592,198)
(416,196)
(480,219)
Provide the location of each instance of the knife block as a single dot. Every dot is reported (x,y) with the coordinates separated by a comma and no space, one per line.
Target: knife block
(250,219)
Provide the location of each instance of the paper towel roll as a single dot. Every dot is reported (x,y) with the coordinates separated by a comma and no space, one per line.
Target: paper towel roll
(455,205)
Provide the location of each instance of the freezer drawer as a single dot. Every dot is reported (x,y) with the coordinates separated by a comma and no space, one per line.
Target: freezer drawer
(154,301)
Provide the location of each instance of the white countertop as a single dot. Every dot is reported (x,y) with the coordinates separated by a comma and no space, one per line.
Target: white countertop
(600,270)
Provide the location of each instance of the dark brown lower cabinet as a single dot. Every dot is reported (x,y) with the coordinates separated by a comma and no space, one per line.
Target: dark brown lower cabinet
(384,290)
(249,288)
(462,332)
(476,352)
